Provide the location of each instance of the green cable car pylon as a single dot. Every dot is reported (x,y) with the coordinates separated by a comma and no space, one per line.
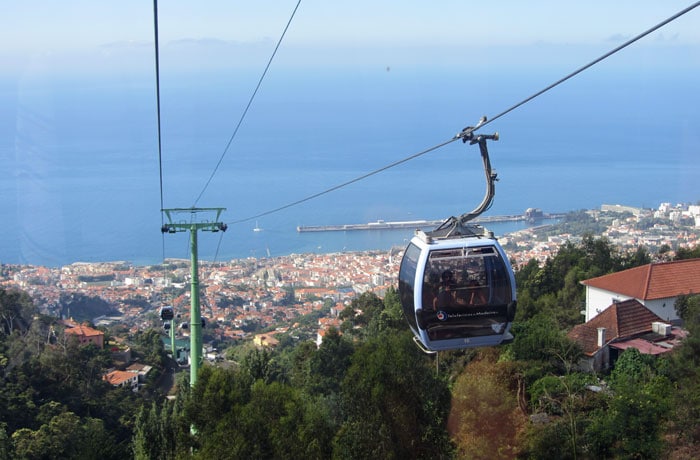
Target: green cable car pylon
(193,226)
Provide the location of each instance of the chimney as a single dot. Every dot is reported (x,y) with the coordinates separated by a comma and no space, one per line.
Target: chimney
(601,337)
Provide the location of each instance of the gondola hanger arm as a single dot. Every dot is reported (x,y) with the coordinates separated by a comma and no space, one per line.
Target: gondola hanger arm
(468,134)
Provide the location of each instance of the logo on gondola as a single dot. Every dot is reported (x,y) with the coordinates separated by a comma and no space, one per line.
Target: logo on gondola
(441,315)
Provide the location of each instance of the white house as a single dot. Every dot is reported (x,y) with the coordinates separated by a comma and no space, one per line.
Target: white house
(123,379)
(656,286)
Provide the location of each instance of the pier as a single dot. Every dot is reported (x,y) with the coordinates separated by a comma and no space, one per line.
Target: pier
(378,225)
(415,224)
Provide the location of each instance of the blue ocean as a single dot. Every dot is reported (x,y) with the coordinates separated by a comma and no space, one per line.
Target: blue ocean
(81,175)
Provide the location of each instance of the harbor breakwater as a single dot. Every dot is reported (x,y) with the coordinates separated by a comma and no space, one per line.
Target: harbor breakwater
(388,225)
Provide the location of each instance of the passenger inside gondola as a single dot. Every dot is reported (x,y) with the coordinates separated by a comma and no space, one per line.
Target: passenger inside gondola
(478,295)
(445,297)
(431,289)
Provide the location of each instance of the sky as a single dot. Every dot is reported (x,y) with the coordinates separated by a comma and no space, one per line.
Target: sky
(86,35)
(213,51)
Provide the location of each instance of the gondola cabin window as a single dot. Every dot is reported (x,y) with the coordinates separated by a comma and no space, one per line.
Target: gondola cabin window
(407,276)
(465,277)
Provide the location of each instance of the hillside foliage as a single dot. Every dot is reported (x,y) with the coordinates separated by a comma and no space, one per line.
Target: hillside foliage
(367,391)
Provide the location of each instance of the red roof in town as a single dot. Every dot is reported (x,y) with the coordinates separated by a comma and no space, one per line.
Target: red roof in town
(652,281)
(620,320)
(119,377)
(644,346)
(84,331)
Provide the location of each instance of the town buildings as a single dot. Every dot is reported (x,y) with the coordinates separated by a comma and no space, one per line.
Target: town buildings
(239,298)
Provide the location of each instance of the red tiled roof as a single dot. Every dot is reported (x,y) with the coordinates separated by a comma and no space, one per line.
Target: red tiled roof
(652,281)
(644,346)
(118,377)
(620,320)
(84,331)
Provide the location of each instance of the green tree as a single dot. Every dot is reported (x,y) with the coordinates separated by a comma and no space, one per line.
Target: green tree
(371,307)
(601,256)
(260,364)
(16,311)
(65,436)
(156,432)
(630,425)
(149,345)
(394,405)
(687,253)
(391,316)
(688,309)
(328,365)
(235,417)
(684,370)
(485,417)
(218,391)
(555,289)
(299,365)
(83,307)
(271,421)
(566,401)
(637,258)
(147,443)
(540,339)
(5,443)
(544,441)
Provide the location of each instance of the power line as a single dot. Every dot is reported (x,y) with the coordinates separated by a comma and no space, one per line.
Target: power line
(250,102)
(468,131)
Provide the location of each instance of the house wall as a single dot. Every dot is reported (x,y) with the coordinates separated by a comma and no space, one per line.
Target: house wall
(600,361)
(664,308)
(132,383)
(97,340)
(598,300)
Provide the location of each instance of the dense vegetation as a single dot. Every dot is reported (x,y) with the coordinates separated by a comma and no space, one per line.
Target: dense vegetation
(54,402)
(367,391)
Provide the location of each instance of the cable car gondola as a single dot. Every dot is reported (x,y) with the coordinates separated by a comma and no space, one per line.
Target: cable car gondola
(166,313)
(456,285)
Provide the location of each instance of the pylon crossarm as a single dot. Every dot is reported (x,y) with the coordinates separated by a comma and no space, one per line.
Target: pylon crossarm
(184,225)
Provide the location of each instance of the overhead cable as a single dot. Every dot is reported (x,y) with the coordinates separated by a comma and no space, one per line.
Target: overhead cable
(596,61)
(461,134)
(160,144)
(245,111)
(344,184)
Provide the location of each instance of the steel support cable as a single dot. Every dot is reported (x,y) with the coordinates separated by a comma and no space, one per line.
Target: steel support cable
(468,131)
(596,61)
(344,184)
(250,102)
(218,246)
(160,144)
